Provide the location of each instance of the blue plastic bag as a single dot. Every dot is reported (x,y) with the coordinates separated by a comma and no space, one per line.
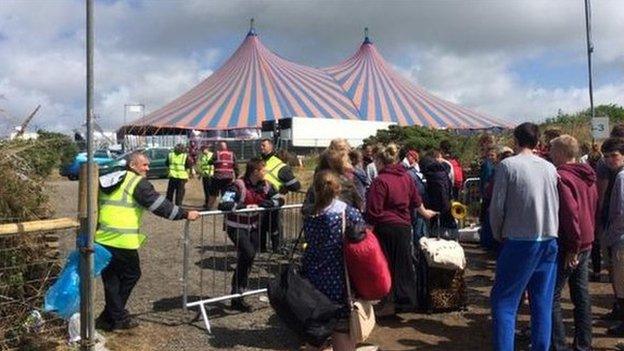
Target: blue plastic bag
(63,297)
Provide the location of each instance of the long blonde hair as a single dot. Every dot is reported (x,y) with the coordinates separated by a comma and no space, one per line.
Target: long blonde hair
(326,188)
(335,160)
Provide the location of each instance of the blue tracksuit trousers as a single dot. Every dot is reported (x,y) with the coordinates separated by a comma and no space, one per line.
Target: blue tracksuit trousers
(524,265)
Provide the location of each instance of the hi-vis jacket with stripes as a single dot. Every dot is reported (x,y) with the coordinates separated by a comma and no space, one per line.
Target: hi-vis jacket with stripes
(122,198)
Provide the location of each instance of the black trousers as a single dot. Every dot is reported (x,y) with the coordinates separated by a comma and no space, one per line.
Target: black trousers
(596,257)
(119,278)
(247,244)
(206,184)
(396,241)
(176,186)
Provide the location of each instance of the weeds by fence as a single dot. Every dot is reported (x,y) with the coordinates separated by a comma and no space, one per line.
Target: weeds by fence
(30,261)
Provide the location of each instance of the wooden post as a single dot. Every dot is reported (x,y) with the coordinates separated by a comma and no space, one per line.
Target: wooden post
(87,279)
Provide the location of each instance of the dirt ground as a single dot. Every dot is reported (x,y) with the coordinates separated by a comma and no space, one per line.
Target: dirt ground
(156,301)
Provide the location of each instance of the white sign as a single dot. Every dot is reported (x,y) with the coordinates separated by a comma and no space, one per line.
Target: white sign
(135,108)
(600,127)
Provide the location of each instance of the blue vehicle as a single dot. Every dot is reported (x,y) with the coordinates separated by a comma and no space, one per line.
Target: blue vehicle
(72,170)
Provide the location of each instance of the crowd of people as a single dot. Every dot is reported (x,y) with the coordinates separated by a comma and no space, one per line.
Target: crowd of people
(549,207)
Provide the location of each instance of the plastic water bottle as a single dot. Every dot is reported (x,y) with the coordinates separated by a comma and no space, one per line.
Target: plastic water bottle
(73,328)
(34,322)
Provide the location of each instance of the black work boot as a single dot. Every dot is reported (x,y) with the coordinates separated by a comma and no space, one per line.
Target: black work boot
(240,305)
(103,323)
(126,323)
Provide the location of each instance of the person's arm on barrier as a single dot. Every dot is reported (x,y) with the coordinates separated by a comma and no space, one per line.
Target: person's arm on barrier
(274,199)
(146,196)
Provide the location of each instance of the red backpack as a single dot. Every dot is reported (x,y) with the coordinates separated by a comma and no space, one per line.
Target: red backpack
(458,172)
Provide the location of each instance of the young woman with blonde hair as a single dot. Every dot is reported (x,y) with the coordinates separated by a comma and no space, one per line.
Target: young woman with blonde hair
(323,262)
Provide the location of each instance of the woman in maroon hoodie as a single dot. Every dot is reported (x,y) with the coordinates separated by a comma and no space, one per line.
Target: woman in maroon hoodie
(578,205)
(391,199)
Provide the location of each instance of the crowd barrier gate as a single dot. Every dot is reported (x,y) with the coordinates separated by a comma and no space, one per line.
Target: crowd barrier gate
(214,252)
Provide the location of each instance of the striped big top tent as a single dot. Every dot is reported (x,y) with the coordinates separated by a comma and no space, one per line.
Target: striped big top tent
(256,85)
(252,86)
(381,94)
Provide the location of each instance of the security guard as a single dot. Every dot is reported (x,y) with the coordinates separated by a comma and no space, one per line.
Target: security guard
(281,176)
(123,197)
(178,163)
(278,173)
(225,172)
(206,171)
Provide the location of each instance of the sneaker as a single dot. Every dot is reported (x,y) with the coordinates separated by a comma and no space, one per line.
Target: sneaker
(240,305)
(128,323)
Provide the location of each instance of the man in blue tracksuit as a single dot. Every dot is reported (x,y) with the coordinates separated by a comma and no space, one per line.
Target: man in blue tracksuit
(524,216)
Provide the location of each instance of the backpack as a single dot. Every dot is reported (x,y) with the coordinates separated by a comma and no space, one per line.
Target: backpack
(458,171)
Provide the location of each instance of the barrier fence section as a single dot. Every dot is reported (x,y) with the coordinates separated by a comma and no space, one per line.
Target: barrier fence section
(215,271)
(30,261)
(470,196)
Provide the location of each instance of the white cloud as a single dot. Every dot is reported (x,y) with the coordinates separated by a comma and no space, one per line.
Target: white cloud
(151,51)
(485,82)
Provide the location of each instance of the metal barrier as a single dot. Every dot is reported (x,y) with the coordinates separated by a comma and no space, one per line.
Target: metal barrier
(470,196)
(215,254)
(30,261)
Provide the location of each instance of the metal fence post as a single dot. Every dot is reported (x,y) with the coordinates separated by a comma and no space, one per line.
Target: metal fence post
(185,261)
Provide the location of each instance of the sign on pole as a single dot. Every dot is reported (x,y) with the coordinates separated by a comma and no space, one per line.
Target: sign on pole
(600,127)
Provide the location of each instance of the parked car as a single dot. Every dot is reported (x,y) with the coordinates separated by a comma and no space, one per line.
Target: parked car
(158,159)
(72,170)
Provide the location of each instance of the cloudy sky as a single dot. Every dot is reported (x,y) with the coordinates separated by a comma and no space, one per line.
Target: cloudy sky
(517,60)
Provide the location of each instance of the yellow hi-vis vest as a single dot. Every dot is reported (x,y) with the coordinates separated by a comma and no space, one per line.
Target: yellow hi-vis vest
(273,166)
(120,216)
(206,169)
(177,166)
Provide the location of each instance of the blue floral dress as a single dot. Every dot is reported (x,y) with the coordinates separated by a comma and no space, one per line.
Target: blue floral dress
(323,261)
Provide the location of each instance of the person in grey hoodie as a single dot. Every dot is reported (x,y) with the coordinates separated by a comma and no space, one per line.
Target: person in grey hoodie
(613,236)
(524,217)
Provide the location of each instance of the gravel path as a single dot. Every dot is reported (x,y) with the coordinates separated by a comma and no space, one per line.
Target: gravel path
(156,301)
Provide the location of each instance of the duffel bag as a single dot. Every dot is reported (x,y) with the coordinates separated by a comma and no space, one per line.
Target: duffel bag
(368,267)
(301,306)
(440,253)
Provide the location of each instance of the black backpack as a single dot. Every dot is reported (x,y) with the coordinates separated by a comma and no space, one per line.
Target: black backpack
(303,308)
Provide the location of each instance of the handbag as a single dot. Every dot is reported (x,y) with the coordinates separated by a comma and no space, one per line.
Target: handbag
(303,308)
(368,267)
(362,315)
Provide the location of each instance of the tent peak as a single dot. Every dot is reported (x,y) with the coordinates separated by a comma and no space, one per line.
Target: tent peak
(366,38)
(252,28)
